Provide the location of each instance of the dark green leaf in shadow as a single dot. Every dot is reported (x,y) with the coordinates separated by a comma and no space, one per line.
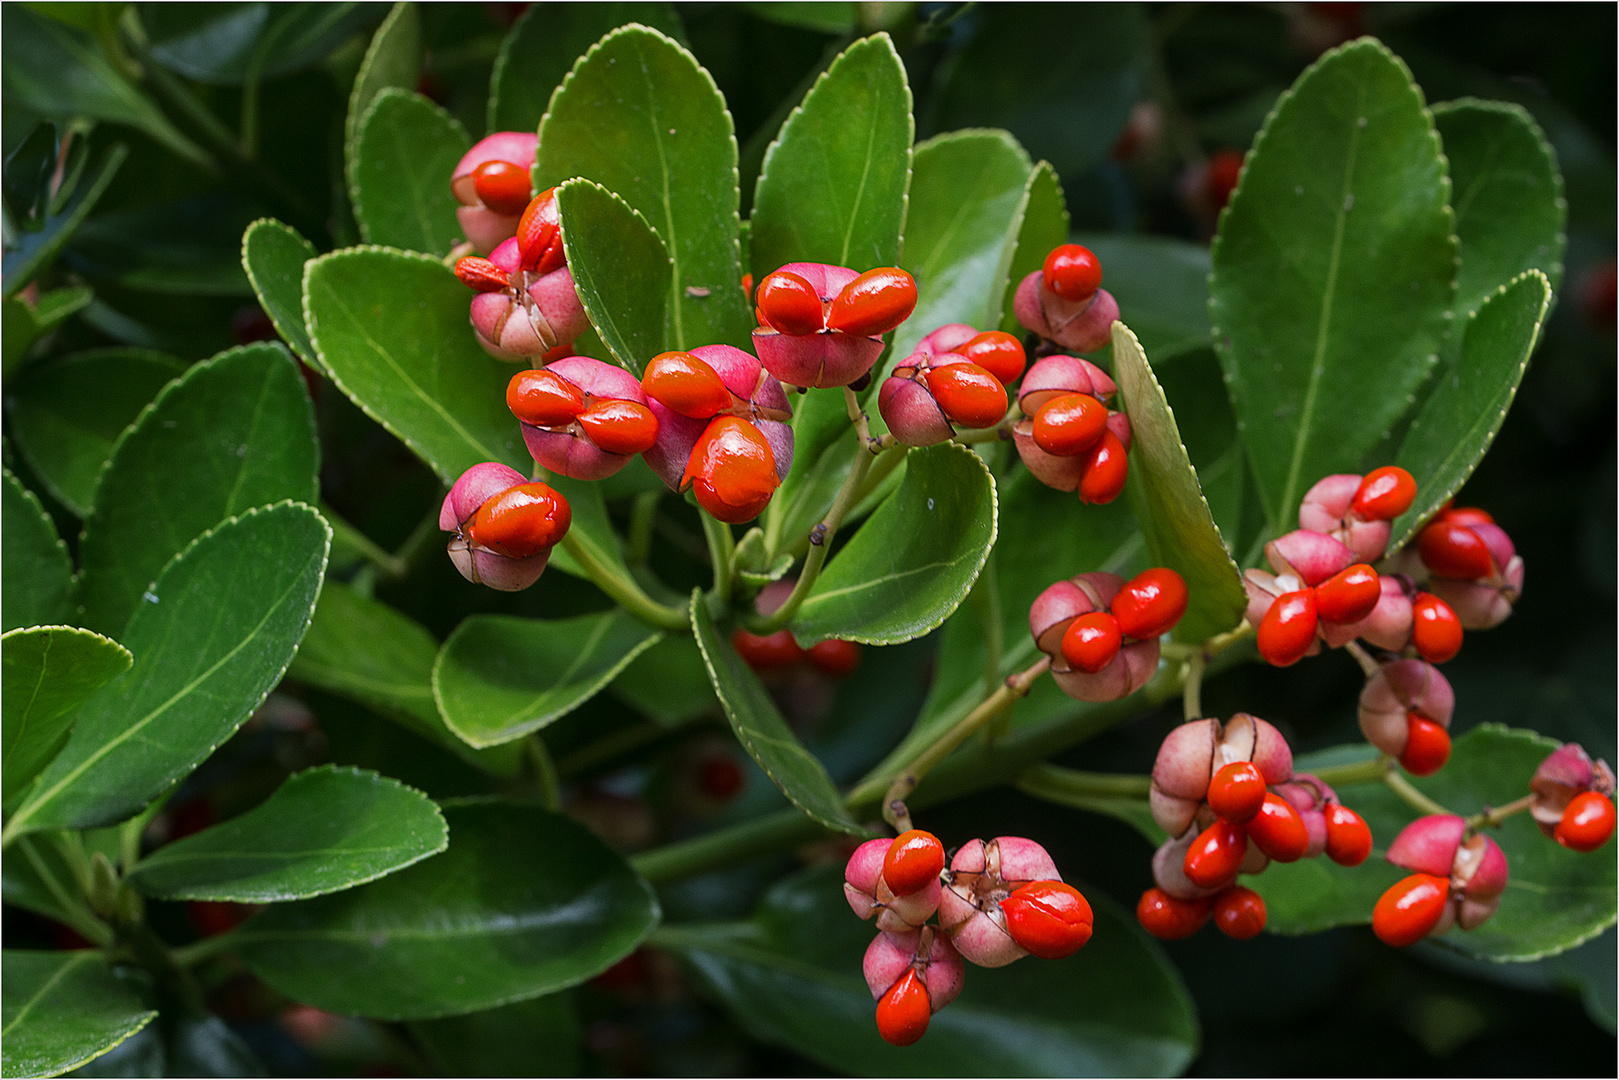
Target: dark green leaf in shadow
(36,575)
(273,254)
(232,44)
(406,149)
(540,1035)
(48,673)
(32,252)
(621,271)
(394,58)
(1162,286)
(1044,226)
(667,682)
(27,320)
(832,17)
(62,1009)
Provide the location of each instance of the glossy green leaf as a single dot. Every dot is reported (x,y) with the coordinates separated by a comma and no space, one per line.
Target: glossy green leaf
(1555,898)
(541,1034)
(33,252)
(763,732)
(273,254)
(1162,286)
(1164,492)
(26,321)
(211,639)
(36,575)
(829,17)
(34,876)
(824,447)
(234,432)
(525,902)
(66,434)
(323,830)
(232,44)
(1333,271)
(394,58)
(62,1009)
(668,682)
(910,565)
(1465,409)
(541,49)
(1044,226)
(791,976)
(621,271)
(48,673)
(391,328)
(405,148)
(499,677)
(641,117)
(833,185)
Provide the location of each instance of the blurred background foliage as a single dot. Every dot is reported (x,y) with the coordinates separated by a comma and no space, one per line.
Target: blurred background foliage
(184,123)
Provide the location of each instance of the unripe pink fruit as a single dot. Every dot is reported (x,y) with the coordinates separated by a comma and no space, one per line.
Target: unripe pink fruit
(930,953)
(1308,556)
(1326,510)
(1083,326)
(1398,689)
(486,228)
(1566,772)
(1192,753)
(981,876)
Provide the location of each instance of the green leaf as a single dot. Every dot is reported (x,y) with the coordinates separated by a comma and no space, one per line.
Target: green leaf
(1164,491)
(791,976)
(273,254)
(525,902)
(26,322)
(49,672)
(668,682)
(323,830)
(833,185)
(1162,284)
(591,530)
(500,677)
(33,252)
(542,48)
(1195,387)
(234,432)
(641,117)
(36,574)
(763,732)
(513,1040)
(67,435)
(621,271)
(1554,900)
(233,44)
(394,58)
(829,17)
(824,448)
(391,328)
(406,147)
(1044,226)
(1465,410)
(1333,271)
(35,877)
(211,639)
(62,1009)
(910,565)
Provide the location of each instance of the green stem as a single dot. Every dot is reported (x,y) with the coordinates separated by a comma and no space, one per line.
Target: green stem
(721,555)
(1359,772)
(643,515)
(545,771)
(881,469)
(719,849)
(1402,787)
(606,749)
(1192,690)
(345,532)
(1368,665)
(1001,432)
(190,955)
(1490,817)
(1076,784)
(73,909)
(624,591)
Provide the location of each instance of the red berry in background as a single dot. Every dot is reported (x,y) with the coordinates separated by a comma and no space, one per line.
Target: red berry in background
(521,521)
(1288,629)
(1239,913)
(1427,746)
(1384,494)
(873,303)
(1091,642)
(835,658)
(1150,604)
(1278,830)
(998,353)
(1599,294)
(620,426)
(1169,918)
(502,186)
(1587,822)
(969,395)
(788,303)
(732,469)
(1225,169)
(719,777)
(686,384)
(543,398)
(903,1012)
(1411,907)
(1051,919)
(767,652)
(1106,469)
(1237,791)
(1216,855)
(1349,838)
(209,918)
(1069,424)
(915,859)
(539,235)
(1435,629)
(1450,549)
(1072,272)
(1349,595)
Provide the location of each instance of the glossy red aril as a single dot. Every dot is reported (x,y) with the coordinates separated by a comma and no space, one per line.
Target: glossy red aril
(1106,468)
(914,860)
(969,395)
(1237,791)
(1451,549)
(1435,629)
(1288,628)
(998,353)
(767,652)
(686,384)
(904,1011)
(1051,919)
(1091,642)
(732,470)
(1216,855)
(1278,830)
(1349,595)
(789,304)
(544,398)
(873,303)
(479,273)
(1069,424)
(1411,907)
(1465,515)
(1384,494)
(1349,838)
(1427,746)
(1587,822)
(620,426)
(1170,918)
(1072,272)
(502,186)
(1150,604)
(539,235)
(1239,913)
(521,521)
(835,657)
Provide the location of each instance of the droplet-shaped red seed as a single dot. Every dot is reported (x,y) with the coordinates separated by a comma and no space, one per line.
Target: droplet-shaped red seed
(1169,918)
(789,304)
(904,1010)
(1288,628)
(998,353)
(1150,604)
(539,235)
(1348,596)
(1435,629)
(914,859)
(1411,907)
(1072,272)
(767,652)
(619,426)
(1278,830)
(521,521)
(1450,549)
(1091,642)
(544,398)
(502,186)
(1384,494)
(1237,791)
(1106,469)
(1587,822)
(1051,919)
(835,657)
(683,382)
(1216,855)
(732,470)
(1349,838)
(1239,913)
(969,395)
(479,273)
(1427,746)
(874,303)
(1069,424)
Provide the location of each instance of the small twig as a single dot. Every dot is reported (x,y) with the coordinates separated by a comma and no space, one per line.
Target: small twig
(1192,689)
(1368,664)
(1402,787)
(1492,817)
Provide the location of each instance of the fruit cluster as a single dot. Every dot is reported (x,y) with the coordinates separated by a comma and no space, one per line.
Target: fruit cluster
(1102,632)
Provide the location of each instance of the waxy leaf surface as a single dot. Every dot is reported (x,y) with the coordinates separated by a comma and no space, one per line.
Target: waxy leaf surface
(46,674)
(59,1010)
(621,271)
(36,575)
(406,151)
(273,254)
(394,58)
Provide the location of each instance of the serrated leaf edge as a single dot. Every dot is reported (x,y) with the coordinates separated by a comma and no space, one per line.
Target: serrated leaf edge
(252,279)
(392,93)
